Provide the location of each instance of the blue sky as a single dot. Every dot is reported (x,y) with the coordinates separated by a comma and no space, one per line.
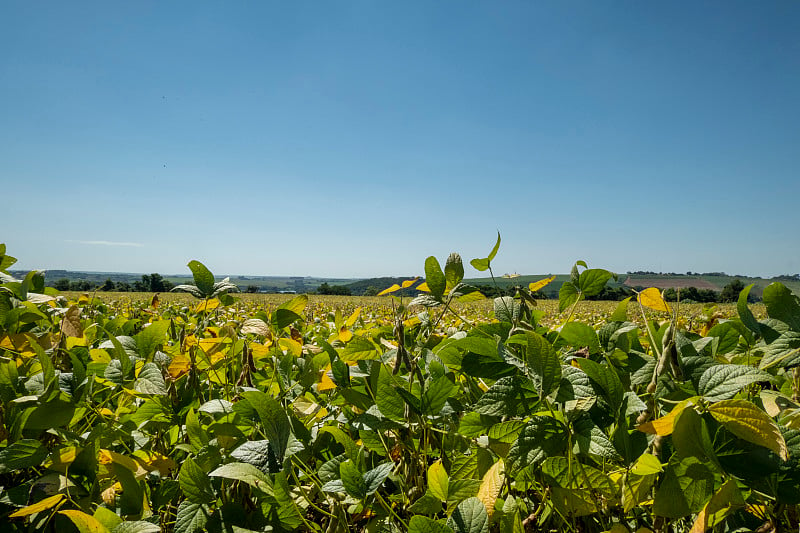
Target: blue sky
(354,139)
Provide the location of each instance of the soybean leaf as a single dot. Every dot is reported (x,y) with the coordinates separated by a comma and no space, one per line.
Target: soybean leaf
(375,477)
(423,524)
(722,382)
(483,264)
(544,362)
(194,483)
(191,517)
(24,453)
(246,473)
(469,517)
(434,277)
(150,381)
(276,424)
(541,437)
(750,423)
(203,278)
(745,314)
(453,270)
(782,304)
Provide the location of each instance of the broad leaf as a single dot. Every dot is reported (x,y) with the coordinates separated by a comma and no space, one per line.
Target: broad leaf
(750,423)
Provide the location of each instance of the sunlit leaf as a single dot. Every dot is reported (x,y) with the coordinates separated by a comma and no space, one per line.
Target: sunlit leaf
(653,299)
(542,283)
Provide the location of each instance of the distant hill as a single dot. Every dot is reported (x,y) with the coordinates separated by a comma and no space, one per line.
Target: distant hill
(713,281)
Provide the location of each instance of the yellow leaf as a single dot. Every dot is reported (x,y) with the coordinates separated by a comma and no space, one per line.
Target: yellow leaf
(423,287)
(60,459)
(189,341)
(98,355)
(391,289)
(155,461)
(491,485)
(353,317)
(105,457)
(727,499)
(538,285)
(38,507)
(155,302)
(652,298)
(409,282)
(663,426)
(207,305)
(325,382)
(179,366)
(84,522)
(750,423)
(345,335)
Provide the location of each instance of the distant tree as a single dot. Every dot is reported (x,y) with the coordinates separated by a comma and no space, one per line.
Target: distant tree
(730,292)
(123,287)
(371,291)
(338,290)
(62,284)
(108,286)
(81,285)
(252,289)
(152,283)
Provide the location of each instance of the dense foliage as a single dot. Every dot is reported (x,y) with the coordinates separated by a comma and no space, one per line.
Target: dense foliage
(420,416)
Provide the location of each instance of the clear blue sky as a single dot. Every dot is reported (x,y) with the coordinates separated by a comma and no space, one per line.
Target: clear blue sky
(354,139)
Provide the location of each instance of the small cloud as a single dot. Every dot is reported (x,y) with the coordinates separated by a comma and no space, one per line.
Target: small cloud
(109,243)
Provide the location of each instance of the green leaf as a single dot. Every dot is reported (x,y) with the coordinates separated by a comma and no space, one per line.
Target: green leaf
(469,517)
(359,348)
(543,360)
(22,454)
(782,305)
(453,270)
(197,437)
(579,335)
(389,402)
(745,315)
(150,381)
(568,294)
(277,427)
(246,473)
(203,278)
(483,264)
(257,453)
(506,432)
(375,477)
(592,281)
(541,437)
(194,483)
(620,314)
(750,423)
(352,480)
(191,517)
(436,394)
(289,312)
(150,337)
(423,524)
(434,277)
(503,397)
(606,378)
(137,526)
(506,309)
(783,352)
(722,382)
(289,515)
(690,437)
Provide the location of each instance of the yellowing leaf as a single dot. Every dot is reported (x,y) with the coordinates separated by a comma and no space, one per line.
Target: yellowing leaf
(154,303)
(438,481)
(155,461)
(652,298)
(391,289)
(84,522)
(727,499)
(491,485)
(750,423)
(259,351)
(291,346)
(409,282)
(663,426)
(353,317)
(538,285)
(423,287)
(98,355)
(38,507)
(189,341)
(60,459)
(105,457)
(207,305)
